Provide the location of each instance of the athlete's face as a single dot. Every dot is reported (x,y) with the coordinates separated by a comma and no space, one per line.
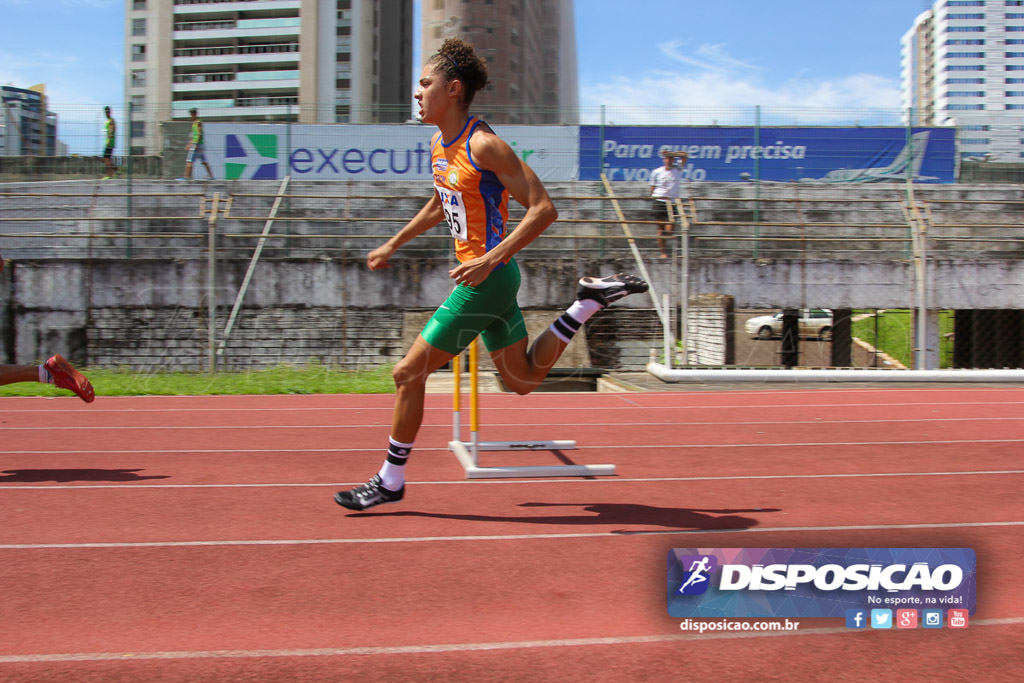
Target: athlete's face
(434,94)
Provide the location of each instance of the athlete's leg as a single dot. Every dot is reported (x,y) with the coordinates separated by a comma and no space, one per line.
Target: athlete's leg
(410,375)
(12,374)
(523,370)
(56,371)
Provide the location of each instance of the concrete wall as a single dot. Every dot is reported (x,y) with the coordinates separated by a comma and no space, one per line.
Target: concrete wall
(710,330)
(43,168)
(77,284)
(151,315)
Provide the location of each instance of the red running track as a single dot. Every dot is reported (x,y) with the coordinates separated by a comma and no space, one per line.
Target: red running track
(184,538)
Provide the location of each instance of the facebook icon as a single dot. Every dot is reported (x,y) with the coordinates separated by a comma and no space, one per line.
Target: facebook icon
(856,618)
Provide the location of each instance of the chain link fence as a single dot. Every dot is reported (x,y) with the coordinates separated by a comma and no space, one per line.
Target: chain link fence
(854,263)
(887,275)
(151,136)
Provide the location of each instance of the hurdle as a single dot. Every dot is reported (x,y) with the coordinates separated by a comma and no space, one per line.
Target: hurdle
(468,453)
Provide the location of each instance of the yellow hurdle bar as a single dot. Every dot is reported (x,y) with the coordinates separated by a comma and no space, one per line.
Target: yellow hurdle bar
(456,399)
(469,453)
(474,401)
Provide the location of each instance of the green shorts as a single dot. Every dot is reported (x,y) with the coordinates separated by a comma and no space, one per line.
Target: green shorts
(490,310)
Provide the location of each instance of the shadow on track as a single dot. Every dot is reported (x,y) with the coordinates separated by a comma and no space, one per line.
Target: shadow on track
(68,475)
(608,514)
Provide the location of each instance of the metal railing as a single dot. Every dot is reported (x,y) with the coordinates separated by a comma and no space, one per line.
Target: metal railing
(823,227)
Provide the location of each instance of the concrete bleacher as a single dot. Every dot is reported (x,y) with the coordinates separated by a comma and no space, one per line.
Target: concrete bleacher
(135,255)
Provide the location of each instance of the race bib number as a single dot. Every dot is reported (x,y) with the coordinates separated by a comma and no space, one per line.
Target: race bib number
(454,212)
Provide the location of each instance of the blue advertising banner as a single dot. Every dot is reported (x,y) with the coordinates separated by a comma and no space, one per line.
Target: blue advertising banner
(818,582)
(784,154)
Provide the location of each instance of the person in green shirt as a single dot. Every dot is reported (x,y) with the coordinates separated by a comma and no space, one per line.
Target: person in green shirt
(110,137)
(195,146)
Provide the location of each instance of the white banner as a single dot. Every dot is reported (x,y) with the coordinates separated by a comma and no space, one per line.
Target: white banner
(367,152)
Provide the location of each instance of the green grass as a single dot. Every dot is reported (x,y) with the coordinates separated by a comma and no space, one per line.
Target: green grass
(278,380)
(896,336)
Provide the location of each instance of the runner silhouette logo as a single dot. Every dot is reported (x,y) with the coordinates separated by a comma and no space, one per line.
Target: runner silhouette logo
(697,574)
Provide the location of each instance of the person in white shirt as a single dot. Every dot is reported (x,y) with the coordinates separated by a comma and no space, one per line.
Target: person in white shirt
(665,191)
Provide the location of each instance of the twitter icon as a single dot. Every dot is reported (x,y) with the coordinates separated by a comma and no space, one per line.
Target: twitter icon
(881,618)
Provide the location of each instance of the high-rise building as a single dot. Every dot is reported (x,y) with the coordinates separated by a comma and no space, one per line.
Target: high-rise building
(530,49)
(310,61)
(26,127)
(963,64)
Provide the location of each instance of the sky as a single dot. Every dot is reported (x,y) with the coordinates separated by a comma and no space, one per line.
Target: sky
(634,57)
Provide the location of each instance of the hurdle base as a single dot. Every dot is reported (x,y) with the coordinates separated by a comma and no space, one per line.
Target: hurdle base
(473,471)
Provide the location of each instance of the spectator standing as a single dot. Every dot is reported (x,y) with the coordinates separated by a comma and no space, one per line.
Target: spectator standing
(109,140)
(664,192)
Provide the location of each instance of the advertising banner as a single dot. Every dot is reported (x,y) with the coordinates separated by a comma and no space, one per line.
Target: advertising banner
(819,582)
(366,152)
(784,154)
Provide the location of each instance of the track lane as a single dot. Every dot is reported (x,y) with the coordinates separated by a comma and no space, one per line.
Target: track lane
(520,607)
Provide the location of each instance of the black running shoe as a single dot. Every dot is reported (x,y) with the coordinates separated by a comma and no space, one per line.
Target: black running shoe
(369,494)
(607,290)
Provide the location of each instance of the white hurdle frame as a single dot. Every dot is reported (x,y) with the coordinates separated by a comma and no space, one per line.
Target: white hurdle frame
(468,453)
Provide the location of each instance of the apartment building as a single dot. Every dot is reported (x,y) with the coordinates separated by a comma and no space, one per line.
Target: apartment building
(530,48)
(308,61)
(26,127)
(962,64)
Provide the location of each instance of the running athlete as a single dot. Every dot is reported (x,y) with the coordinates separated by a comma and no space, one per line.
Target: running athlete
(110,137)
(474,173)
(195,147)
(56,371)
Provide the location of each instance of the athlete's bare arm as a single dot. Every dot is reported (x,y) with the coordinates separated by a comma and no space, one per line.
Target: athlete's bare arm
(430,215)
(493,154)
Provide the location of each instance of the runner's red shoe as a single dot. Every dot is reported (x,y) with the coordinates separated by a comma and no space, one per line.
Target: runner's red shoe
(66,377)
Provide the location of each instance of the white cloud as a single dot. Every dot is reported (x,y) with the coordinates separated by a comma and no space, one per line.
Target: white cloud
(706,84)
(707,56)
(68,78)
(76,92)
(720,96)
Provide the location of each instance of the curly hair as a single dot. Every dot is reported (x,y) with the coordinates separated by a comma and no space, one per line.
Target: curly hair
(457,60)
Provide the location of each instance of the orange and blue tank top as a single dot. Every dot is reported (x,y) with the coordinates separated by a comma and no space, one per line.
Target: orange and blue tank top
(474,200)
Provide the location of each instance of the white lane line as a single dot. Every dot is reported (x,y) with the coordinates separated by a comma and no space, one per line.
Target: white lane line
(535,408)
(367,425)
(392,650)
(505,537)
(618,446)
(464,482)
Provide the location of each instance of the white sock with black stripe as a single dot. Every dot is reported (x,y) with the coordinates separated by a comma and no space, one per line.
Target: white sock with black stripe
(570,322)
(392,472)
